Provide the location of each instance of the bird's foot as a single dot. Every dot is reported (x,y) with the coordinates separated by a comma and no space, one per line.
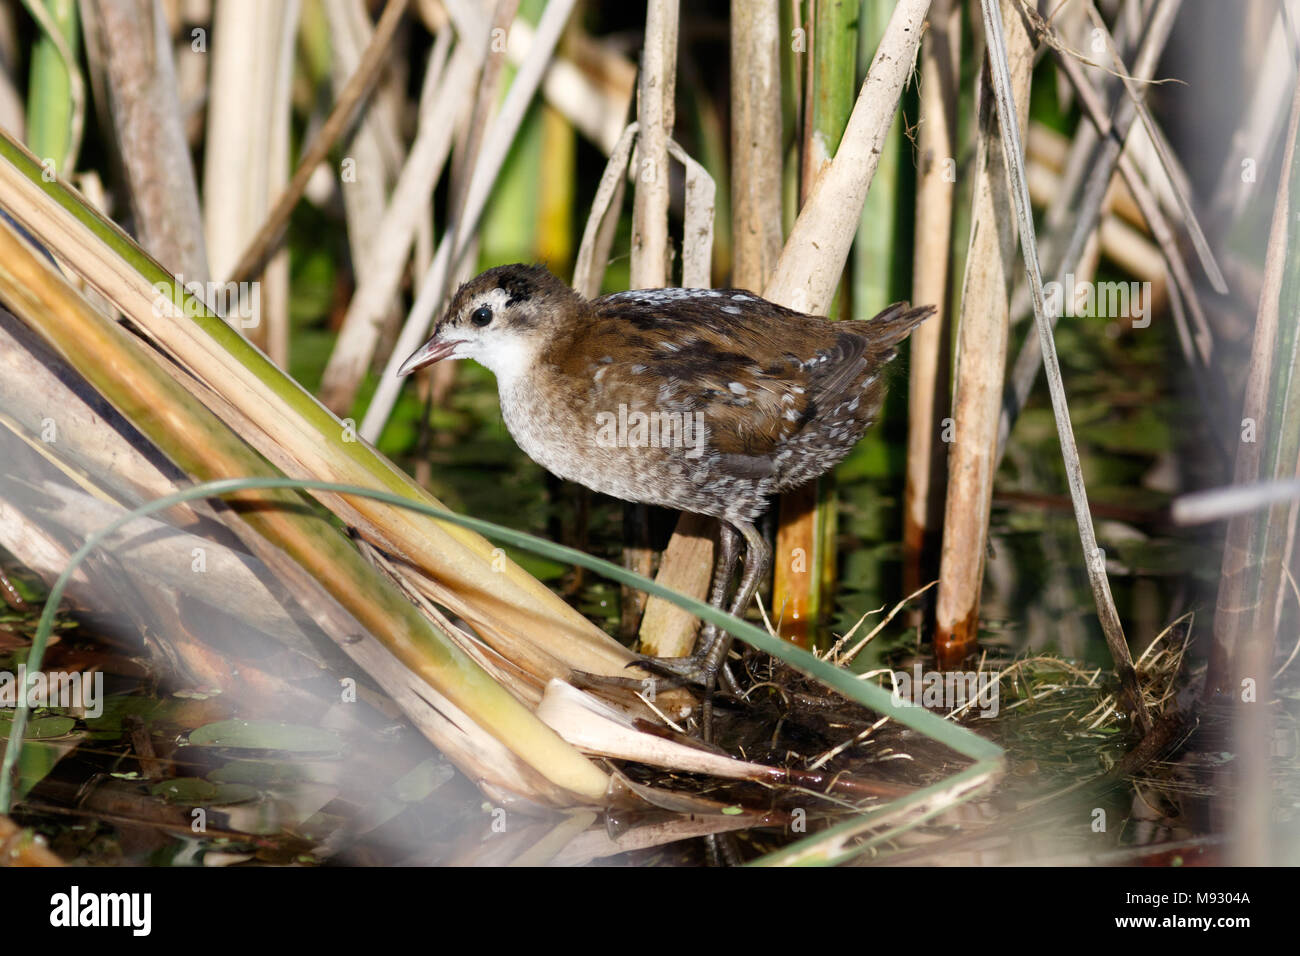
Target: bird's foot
(682,671)
(666,673)
(706,669)
(701,670)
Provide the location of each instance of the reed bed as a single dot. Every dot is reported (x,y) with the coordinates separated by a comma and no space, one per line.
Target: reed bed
(227,223)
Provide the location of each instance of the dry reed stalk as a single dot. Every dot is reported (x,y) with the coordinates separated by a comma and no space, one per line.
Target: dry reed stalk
(469,142)
(666,630)
(755,141)
(929,354)
(366,177)
(465,158)
(248,114)
(1194,336)
(1176,178)
(1009,124)
(656,92)
(687,562)
(1257,546)
(1197,344)
(980,365)
(268,238)
(407,208)
(483,729)
(1077,216)
(1121,242)
(1050,152)
(589,84)
(1149,206)
(686,566)
(302,439)
(351,31)
(1118,212)
(451,256)
(650,252)
(1236,609)
(813,258)
(132,40)
(700,202)
(598,235)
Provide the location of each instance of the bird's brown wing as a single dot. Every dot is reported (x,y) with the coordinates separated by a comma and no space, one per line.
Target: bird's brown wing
(757,372)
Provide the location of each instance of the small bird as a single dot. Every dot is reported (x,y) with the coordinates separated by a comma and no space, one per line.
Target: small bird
(705,400)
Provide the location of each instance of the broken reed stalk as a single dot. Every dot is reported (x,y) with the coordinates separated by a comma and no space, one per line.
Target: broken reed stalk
(929,352)
(1094,558)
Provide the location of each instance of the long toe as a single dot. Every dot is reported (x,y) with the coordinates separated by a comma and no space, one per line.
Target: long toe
(668,673)
(684,670)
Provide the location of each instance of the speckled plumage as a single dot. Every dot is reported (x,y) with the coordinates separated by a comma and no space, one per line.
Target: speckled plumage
(707,400)
(782,396)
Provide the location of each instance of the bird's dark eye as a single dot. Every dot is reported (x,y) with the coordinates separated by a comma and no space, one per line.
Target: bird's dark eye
(482,316)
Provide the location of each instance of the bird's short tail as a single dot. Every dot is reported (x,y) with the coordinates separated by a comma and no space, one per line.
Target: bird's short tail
(896,322)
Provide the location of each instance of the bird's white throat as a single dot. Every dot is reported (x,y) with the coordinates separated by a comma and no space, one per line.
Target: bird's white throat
(511,358)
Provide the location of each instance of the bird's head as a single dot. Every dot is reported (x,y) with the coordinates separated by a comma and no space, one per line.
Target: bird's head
(500,318)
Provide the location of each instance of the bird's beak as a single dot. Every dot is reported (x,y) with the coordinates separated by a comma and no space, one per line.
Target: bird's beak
(428,353)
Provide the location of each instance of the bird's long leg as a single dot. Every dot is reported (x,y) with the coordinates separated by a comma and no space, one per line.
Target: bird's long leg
(758,558)
(693,668)
(706,663)
(728,552)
